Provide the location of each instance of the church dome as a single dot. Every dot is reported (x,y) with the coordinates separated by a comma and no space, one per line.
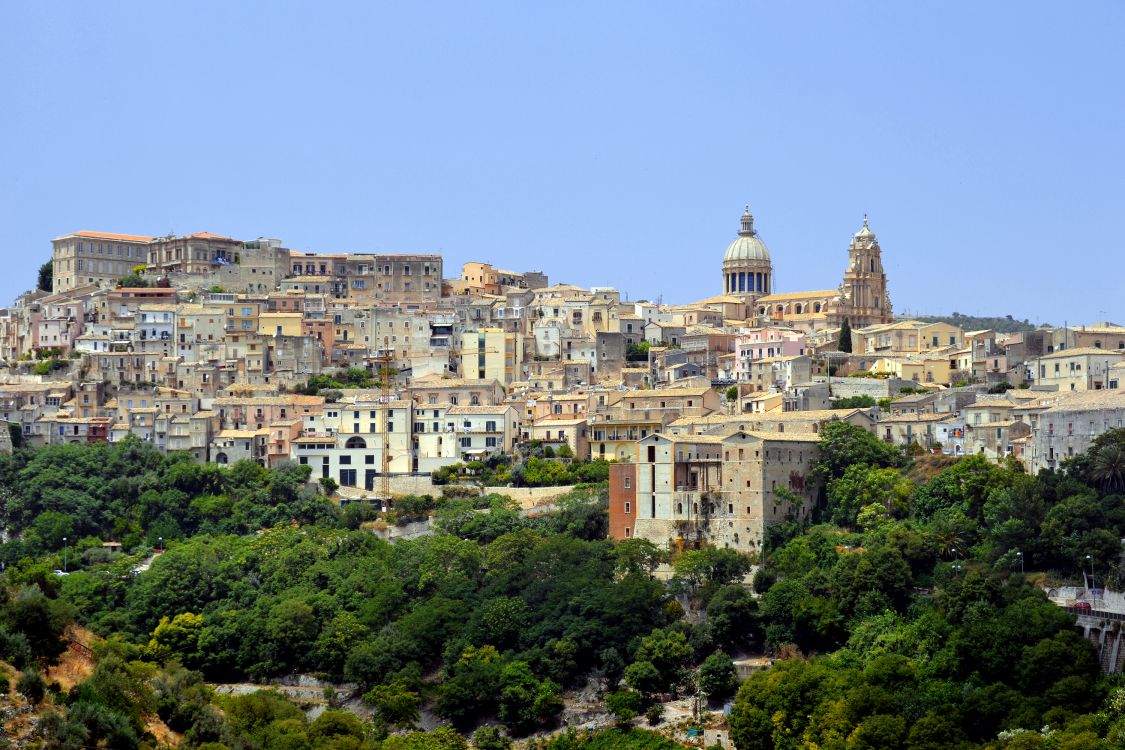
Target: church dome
(747,246)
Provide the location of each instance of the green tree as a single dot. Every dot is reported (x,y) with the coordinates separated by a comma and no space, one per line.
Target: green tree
(525,701)
(717,677)
(133,280)
(396,705)
(643,677)
(843,445)
(490,738)
(845,341)
(667,651)
(46,276)
(625,705)
(862,485)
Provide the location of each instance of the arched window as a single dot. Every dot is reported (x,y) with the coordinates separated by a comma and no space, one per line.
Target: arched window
(816,307)
(679,508)
(872,265)
(221,459)
(762,311)
(355,442)
(800,308)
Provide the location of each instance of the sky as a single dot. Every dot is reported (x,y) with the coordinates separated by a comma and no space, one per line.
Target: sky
(604,143)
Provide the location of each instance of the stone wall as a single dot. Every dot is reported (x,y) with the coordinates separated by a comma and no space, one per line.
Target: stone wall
(873,387)
(527,497)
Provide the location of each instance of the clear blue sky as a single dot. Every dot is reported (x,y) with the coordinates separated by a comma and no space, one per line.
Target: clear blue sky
(605,143)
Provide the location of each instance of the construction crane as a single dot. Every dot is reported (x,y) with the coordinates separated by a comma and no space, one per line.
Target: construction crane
(383,370)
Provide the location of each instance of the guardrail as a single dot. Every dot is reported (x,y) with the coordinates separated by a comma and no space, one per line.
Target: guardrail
(1096,613)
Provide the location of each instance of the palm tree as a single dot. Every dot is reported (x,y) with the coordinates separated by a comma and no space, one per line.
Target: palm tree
(1108,467)
(949,540)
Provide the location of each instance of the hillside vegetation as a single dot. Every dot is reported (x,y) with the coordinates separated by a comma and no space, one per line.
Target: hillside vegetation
(898,615)
(1000,324)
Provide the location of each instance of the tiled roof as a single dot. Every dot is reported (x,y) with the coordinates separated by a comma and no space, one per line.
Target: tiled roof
(111,236)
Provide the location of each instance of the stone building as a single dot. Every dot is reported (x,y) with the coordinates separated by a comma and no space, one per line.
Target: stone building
(723,491)
(198,253)
(99,258)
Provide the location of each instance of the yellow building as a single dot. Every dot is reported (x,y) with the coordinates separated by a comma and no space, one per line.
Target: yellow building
(907,337)
(489,354)
(280,323)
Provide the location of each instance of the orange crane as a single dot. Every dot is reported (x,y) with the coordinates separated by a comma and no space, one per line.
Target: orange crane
(384,372)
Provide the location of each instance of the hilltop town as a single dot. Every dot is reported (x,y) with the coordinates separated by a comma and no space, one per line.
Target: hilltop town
(375,368)
(396,501)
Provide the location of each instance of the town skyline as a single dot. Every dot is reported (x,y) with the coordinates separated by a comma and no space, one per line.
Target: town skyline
(574,142)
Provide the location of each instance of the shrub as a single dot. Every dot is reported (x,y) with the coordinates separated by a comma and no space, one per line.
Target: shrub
(31,685)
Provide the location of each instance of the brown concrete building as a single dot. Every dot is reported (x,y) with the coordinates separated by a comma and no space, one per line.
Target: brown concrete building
(622,500)
(701,490)
(95,258)
(198,253)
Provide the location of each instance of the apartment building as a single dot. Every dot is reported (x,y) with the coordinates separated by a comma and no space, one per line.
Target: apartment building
(198,253)
(710,490)
(1084,369)
(99,258)
(483,430)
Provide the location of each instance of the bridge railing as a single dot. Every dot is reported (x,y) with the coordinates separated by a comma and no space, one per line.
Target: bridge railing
(1096,613)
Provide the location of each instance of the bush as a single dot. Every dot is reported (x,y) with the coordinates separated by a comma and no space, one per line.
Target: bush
(655,713)
(31,686)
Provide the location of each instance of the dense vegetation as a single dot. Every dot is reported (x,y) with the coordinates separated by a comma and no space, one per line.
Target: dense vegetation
(1000,324)
(494,615)
(542,466)
(898,615)
(906,617)
(352,377)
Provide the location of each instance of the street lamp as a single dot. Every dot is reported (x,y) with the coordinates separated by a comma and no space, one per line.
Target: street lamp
(1020,556)
(160,543)
(1090,559)
(64,554)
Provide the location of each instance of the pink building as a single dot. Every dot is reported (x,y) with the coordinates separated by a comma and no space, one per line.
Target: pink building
(60,324)
(763,343)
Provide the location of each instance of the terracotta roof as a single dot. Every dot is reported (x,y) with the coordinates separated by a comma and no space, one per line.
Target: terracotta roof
(207,236)
(111,236)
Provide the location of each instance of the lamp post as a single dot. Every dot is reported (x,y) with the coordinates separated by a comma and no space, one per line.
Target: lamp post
(160,543)
(1020,556)
(1089,559)
(64,554)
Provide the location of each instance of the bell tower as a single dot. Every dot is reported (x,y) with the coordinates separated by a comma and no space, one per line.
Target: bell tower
(867,301)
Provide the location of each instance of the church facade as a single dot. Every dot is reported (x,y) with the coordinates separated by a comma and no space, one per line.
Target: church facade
(861,298)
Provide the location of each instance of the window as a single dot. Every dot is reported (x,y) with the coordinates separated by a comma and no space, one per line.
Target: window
(345,460)
(466,442)
(628,507)
(628,482)
(347,477)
